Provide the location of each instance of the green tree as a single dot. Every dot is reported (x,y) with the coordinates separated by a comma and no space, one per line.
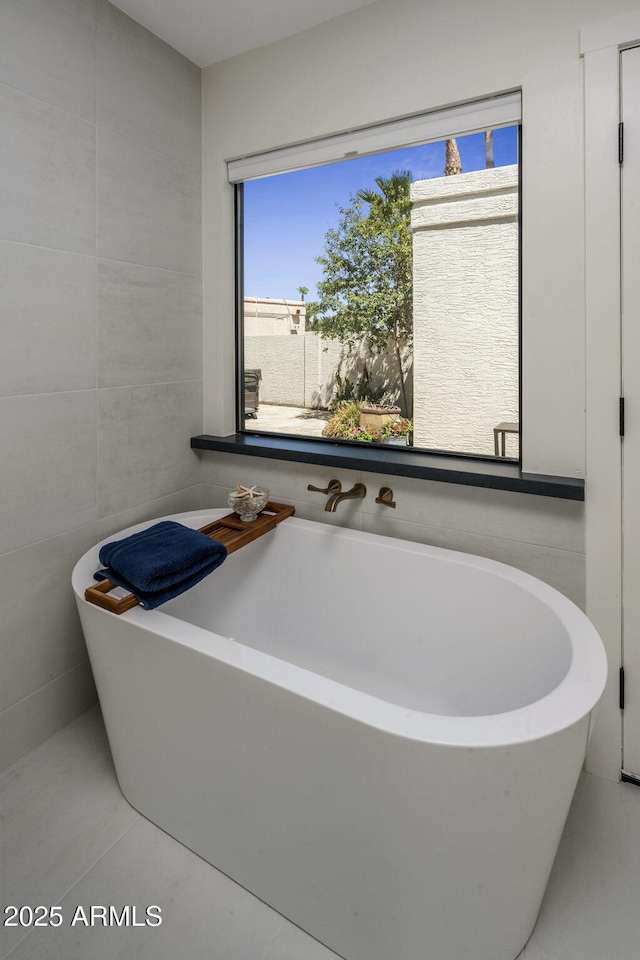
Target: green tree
(366,293)
(303,291)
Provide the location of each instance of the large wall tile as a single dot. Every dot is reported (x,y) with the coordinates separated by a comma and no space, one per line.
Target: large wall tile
(49,465)
(180,502)
(35,718)
(148,206)
(41,639)
(493,513)
(149,322)
(285,479)
(48,309)
(47,175)
(48,50)
(149,325)
(146,90)
(499,514)
(143,443)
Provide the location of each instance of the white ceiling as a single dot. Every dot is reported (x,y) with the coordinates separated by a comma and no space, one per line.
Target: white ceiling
(207,31)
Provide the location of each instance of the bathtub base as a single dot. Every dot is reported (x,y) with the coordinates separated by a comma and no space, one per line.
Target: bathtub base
(398,791)
(449,857)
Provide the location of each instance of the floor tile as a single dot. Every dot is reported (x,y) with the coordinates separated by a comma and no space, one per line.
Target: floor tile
(532,953)
(69,838)
(61,811)
(292,943)
(205,916)
(590,910)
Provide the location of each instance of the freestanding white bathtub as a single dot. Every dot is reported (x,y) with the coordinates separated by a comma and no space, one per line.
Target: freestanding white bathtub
(378,738)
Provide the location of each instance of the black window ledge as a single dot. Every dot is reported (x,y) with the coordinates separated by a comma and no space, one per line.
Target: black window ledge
(473,472)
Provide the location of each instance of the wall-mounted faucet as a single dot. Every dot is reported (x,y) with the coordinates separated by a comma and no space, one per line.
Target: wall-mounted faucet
(357,492)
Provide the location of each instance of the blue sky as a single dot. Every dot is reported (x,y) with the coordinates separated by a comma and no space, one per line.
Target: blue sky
(286,217)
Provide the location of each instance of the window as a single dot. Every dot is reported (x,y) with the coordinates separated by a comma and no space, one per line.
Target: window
(378,284)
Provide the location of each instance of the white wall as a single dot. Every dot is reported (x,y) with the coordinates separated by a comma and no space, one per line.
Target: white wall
(398,57)
(465,310)
(101,314)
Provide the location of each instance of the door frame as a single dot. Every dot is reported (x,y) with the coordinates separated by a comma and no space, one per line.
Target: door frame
(600,46)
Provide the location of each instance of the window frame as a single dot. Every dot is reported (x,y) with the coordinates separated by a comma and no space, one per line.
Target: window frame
(417,463)
(298,156)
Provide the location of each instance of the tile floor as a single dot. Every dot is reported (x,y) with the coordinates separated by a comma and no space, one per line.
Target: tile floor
(69,838)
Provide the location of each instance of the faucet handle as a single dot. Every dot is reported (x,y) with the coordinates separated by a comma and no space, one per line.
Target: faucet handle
(334,487)
(385,497)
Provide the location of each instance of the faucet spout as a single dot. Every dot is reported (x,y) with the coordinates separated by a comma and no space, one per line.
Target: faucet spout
(357,492)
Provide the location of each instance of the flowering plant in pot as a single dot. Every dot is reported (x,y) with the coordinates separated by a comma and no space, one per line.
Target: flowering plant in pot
(397,431)
(365,434)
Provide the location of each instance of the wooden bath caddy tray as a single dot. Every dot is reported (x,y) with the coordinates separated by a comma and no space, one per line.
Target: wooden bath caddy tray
(230,530)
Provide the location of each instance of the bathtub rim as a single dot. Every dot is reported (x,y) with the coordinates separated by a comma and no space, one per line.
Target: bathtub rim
(574,697)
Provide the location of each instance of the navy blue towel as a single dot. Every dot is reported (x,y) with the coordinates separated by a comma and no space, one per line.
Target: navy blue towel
(161,562)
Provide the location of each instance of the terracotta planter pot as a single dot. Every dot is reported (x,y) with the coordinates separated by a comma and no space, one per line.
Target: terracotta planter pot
(374,415)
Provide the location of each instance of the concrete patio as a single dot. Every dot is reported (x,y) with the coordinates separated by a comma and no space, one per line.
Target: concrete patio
(273,418)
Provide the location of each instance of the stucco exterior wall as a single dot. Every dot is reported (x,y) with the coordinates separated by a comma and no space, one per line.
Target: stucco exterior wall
(281,362)
(465,267)
(308,371)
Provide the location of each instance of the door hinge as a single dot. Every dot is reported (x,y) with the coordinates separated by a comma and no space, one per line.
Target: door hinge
(622,416)
(620,142)
(621,688)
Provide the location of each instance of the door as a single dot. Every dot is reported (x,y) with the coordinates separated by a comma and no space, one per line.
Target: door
(630,213)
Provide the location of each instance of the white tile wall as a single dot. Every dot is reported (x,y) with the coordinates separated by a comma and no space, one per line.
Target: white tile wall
(540,535)
(49,327)
(147,97)
(49,480)
(101,358)
(49,707)
(49,52)
(149,325)
(146,430)
(179,502)
(286,481)
(48,165)
(32,654)
(148,206)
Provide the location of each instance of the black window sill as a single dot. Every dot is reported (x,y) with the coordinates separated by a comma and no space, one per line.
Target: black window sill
(473,472)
